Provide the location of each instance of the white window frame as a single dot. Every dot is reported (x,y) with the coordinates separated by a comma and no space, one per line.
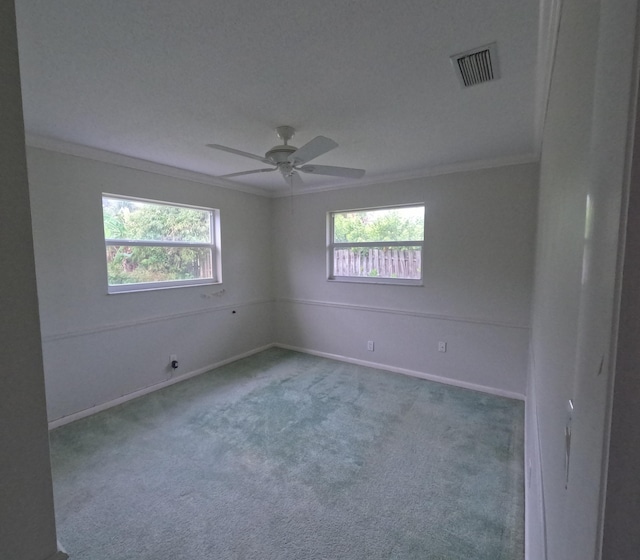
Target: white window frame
(214,246)
(332,245)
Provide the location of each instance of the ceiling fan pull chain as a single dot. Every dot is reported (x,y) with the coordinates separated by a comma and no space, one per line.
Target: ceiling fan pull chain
(291,195)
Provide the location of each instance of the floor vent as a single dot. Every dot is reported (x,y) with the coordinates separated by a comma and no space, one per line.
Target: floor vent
(477,66)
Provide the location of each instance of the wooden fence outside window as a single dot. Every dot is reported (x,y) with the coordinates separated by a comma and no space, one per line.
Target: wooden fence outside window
(380,263)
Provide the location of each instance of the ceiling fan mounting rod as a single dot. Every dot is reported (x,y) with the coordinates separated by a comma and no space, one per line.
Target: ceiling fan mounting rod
(285,133)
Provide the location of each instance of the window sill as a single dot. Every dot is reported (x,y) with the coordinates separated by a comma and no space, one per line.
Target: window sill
(152,287)
(384,281)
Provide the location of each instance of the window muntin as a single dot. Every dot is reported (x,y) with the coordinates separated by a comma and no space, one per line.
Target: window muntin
(380,245)
(153,244)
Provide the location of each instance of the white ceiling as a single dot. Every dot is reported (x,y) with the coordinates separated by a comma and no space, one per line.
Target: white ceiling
(159,79)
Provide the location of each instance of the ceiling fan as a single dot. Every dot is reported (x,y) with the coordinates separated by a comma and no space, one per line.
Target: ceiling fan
(289,159)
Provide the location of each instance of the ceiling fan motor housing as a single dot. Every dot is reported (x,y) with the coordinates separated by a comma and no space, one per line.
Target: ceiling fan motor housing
(280,154)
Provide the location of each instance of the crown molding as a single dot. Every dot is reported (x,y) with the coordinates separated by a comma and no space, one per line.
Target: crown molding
(548,30)
(121,160)
(448,169)
(104,156)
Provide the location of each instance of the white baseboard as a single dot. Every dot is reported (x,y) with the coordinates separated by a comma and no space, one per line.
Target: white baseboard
(150,389)
(528,474)
(155,387)
(410,372)
(534,525)
(60,555)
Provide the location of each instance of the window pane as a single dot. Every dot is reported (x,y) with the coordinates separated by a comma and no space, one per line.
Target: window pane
(378,262)
(146,221)
(131,265)
(390,224)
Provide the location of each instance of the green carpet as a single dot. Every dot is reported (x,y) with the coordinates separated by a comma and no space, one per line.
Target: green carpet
(284,456)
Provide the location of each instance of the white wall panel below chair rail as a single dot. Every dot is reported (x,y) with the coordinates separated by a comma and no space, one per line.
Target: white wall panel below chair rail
(480,355)
(87,369)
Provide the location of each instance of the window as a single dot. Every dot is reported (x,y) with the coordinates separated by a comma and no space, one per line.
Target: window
(152,245)
(381,245)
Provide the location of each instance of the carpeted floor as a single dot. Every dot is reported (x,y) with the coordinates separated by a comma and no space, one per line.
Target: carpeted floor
(285,456)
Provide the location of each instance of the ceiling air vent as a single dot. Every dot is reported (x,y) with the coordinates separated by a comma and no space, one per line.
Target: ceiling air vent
(477,66)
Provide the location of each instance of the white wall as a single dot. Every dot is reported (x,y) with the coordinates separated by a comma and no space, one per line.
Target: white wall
(27,525)
(622,515)
(478,261)
(582,188)
(560,244)
(100,347)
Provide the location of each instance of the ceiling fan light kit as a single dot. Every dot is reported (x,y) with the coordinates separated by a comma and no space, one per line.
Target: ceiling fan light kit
(289,160)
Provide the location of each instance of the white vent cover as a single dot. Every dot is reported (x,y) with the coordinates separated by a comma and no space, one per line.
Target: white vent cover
(477,66)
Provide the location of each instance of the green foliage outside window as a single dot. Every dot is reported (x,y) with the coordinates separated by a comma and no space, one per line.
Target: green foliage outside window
(130,220)
(399,224)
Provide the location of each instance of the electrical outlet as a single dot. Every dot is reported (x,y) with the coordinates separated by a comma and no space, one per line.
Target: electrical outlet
(442,346)
(370,345)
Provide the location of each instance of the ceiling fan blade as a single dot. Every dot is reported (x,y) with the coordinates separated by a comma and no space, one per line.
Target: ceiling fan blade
(248,172)
(333,170)
(312,149)
(237,152)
